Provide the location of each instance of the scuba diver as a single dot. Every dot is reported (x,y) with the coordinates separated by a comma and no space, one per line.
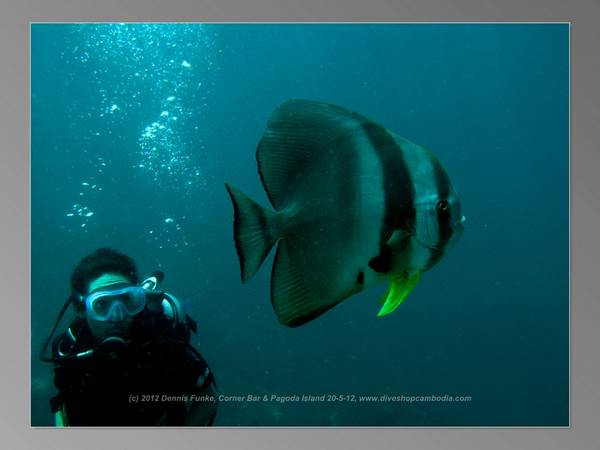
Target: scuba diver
(126,360)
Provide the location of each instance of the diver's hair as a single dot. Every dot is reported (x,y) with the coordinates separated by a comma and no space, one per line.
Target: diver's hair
(101,261)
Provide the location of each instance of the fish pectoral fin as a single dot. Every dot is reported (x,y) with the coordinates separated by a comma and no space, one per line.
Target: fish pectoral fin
(400,287)
(397,236)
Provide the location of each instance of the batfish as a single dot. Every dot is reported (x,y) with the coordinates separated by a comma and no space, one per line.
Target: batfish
(354,205)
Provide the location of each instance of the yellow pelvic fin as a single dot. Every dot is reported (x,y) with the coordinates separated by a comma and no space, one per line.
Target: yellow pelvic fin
(400,287)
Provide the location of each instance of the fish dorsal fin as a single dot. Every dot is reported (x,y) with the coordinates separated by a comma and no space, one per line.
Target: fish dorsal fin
(296,130)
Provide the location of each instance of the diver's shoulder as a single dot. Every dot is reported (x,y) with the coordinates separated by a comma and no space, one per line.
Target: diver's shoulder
(76,335)
(172,307)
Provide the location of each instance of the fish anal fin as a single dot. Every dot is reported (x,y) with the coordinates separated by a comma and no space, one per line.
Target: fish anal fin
(360,278)
(294,302)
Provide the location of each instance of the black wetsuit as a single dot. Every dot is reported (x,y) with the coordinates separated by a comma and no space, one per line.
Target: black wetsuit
(142,384)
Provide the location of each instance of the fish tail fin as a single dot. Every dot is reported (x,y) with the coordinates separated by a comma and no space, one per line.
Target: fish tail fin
(253,232)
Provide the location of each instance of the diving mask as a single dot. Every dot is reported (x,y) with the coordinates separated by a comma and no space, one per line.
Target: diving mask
(114,305)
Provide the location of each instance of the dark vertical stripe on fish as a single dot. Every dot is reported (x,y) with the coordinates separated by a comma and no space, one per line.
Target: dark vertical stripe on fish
(397,183)
(444,216)
(434,257)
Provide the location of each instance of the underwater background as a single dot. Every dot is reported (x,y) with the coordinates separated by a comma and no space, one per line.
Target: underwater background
(136,127)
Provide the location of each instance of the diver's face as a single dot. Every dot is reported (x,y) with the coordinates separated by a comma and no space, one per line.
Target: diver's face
(103,330)
(118,326)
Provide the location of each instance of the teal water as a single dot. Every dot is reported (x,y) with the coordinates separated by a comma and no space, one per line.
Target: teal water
(135,128)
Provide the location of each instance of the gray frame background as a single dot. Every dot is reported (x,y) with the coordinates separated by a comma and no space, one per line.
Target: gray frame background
(15,209)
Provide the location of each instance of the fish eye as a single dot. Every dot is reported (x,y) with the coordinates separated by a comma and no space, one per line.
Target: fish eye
(443,206)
